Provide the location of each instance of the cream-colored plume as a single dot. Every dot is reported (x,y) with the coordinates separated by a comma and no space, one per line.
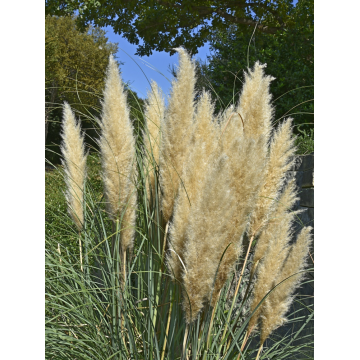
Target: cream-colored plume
(277,304)
(231,125)
(281,159)
(176,132)
(117,147)
(285,203)
(255,103)
(154,115)
(207,236)
(205,140)
(245,133)
(276,236)
(74,161)
(246,169)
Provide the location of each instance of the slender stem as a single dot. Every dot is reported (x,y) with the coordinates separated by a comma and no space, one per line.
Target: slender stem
(243,268)
(124,267)
(237,287)
(184,342)
(250,280)
(80,247)
(59,251)
(210,327)
(244,341)
(165,236)
(259,352)
(311,257)
(167,329)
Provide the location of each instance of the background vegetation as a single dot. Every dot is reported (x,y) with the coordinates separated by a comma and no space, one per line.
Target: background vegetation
(75,65)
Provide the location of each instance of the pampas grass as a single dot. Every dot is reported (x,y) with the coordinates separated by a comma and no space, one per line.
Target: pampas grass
(207,235)
(222,187)
(177,129)
(204,144)
(154,116)
(277,304)
(280,160)
(74,161)
(275,238)
(117,149)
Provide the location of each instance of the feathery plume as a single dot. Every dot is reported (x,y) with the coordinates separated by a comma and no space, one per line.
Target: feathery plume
(285,203)
(255,103)
(117,147)
(154,114)
(207,236)
(245,136)
(281,159)
(246,169)
(204,144)
(177,131)
(74,162)
(276,236)
(277,304)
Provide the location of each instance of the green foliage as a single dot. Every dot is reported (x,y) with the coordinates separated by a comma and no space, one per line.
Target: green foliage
(305,142)
(290,58)
(75,63)
(75,66)
(58,225)
(163,25)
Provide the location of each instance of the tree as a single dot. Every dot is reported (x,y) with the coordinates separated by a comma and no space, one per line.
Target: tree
(164,24)
(289,55)
(75,66)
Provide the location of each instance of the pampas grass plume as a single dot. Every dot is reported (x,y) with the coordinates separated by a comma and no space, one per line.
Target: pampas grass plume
(117,148)
(286,201)
(74,161)
(255,102)
(154,114)
(207,237)
(277,304)
(281,159)
(275,238)
(205,140)
(177,131)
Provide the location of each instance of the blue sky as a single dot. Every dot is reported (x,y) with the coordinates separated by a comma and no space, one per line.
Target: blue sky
(138,71)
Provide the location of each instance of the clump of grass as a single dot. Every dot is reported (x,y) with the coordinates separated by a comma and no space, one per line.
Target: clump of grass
(195,197)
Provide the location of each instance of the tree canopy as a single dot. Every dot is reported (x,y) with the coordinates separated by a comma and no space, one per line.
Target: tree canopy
(289,55)
(75,68)
(75,63)
(165,24)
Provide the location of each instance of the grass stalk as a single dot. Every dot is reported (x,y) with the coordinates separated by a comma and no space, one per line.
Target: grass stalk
(237,287)
(165,237)
(167,329)
(184,354)
(80,248)
(259,352)
(209,332)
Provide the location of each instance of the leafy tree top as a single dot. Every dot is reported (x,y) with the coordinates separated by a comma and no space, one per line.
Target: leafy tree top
(75,62)
(163,25)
